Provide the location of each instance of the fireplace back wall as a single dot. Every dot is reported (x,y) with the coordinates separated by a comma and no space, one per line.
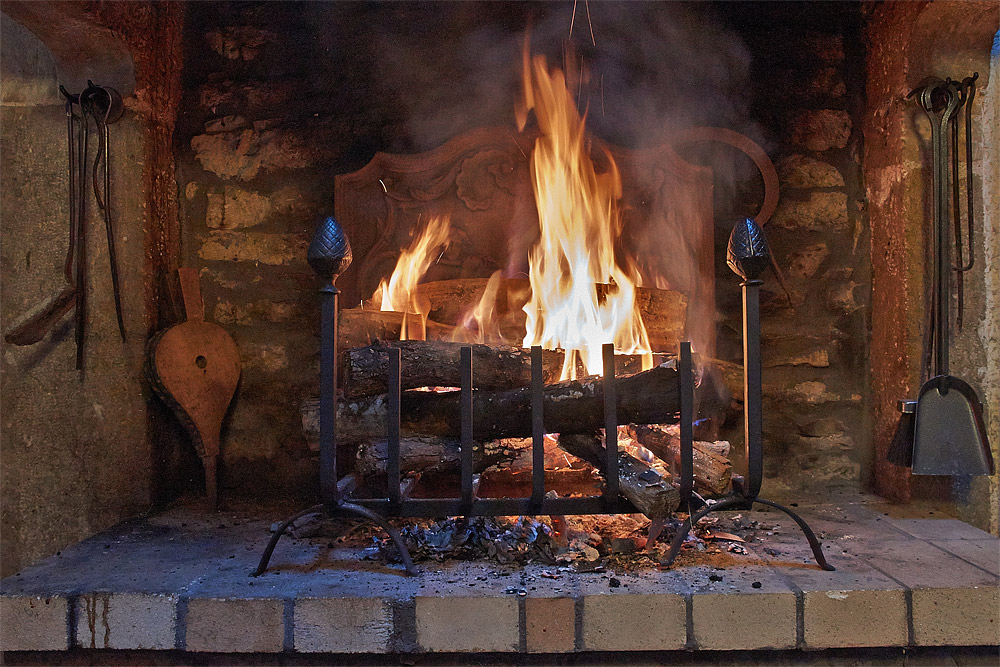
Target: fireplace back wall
(278,98)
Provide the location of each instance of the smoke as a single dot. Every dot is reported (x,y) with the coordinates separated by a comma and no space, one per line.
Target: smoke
(650,70)
(643,73)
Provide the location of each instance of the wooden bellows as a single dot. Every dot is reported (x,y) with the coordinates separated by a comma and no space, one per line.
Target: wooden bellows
(194,367)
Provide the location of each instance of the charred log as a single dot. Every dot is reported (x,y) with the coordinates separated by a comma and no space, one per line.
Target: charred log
(652,494)
(436,364)
(712,469)
(577,406)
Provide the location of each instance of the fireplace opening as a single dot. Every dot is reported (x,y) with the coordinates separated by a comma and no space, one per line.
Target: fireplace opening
(521,185)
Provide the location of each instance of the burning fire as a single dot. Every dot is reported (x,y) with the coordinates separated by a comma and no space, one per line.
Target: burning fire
(397,294)
(481,325)
(580,224)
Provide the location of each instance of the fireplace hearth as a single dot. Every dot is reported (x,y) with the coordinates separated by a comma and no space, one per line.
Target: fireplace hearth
(473,392)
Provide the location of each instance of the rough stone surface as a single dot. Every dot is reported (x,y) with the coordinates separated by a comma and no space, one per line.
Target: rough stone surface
(820,129)
(239,42)
(235,626)
(342,625)
(722,621)
(826,47)
(126,621)
(226,312)
(467,624)
(840,297)
(852,618)
(956,616)
(549,624)
(954,602)
(802,171)
(273,249)
(805,262)
(817,211)
(76,456)
(263,356)
(643,622)
(33,623)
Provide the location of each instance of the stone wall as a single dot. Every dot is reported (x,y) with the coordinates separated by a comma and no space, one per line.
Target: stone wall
(807,93)
(277,101)
(78,451)
(909,42)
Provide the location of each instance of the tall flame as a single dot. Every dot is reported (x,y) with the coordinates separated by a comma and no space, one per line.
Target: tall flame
(480,324)
(397,294)
(580,223)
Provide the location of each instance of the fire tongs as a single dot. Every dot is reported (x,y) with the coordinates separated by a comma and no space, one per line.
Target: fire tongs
(104,106)
(748,256)
(329,255)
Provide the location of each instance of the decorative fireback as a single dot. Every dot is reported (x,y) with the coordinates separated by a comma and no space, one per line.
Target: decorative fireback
(482,180)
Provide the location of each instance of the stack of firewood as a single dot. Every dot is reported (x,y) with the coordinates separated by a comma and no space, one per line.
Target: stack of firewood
(648,401)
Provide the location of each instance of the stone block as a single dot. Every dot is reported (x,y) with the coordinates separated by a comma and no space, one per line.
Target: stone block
(467,624)
(242,155)
(966,616)
(550,624)
(272,249)
(31,623)
(264,357)
(805,262)
(634,622)
(342,625)
(820,129)
(235,625)
(854,618)
(854,605)
(239,42)
(817,211)
(982,553)
(954,602)
(751,609)
(128,621)
(840,297)
(802,171)
(942,529)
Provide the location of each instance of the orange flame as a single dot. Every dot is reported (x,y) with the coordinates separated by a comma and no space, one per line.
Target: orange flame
(480,324)
(397,294)
(580,223)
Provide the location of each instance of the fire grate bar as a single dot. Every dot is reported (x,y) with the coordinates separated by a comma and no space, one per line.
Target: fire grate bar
(468,504)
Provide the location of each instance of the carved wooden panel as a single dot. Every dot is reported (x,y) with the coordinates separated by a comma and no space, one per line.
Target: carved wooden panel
(481,180)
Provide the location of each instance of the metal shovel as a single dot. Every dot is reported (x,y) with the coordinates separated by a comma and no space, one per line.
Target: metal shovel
(949,435)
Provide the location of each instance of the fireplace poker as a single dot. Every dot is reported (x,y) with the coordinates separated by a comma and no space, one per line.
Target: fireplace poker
(104,106)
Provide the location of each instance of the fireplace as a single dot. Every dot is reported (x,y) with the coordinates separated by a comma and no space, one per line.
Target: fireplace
(254,122)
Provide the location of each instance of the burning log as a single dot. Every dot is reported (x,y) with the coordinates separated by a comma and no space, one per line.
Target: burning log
(573,406)
(420,453)
(712,468)
(436,364)
(360,327)
(650,492)
(664,312)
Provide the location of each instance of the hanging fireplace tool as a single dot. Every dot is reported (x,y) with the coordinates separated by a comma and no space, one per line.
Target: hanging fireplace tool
(103,106)
(942,432)
(748,256)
